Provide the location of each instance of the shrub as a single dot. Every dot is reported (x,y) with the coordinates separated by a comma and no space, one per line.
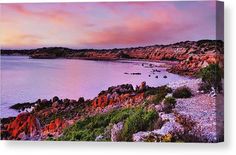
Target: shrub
(158,90)
(204,87)
(182,92)
(170,101)
(91,127)
(121,115)
(158,93)
(211,77)
(157,98)
(87,129)
(141,120)
(169,104)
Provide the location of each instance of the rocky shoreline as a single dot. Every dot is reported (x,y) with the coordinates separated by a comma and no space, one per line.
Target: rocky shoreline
(190,55)
(177,112)
(174,121)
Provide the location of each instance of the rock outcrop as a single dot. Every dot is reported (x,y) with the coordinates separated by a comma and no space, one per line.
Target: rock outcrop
(190,120)
(26,127)
(54,128)
(48,118)
(123,95)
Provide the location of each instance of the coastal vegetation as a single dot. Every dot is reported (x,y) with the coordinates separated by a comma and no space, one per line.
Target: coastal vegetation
(182,92)
(122,112)
(211,78)
(135,119)
(170,101)
(157,94)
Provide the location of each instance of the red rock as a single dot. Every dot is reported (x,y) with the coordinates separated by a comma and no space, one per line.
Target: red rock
(55,127)
(94,103)
(139,97)
(24,124)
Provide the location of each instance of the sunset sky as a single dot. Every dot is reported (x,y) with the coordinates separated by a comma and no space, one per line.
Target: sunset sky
(105,25)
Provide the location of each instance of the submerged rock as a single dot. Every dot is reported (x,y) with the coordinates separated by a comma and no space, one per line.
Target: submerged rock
(22,106)
(135,73)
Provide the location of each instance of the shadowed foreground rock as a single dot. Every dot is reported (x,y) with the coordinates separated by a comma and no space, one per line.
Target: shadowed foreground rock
(26,126)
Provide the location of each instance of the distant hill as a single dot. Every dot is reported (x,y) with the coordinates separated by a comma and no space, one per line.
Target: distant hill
(192,55)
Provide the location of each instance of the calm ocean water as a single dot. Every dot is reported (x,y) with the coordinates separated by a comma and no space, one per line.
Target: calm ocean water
(26,80)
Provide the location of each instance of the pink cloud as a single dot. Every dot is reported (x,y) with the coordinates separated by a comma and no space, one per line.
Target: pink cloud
(107,25)
(159,26)
(55,15)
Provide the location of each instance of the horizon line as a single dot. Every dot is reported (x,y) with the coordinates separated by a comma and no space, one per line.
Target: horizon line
(109,48)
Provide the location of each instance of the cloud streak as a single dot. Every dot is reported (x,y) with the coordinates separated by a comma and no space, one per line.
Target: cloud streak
(105,25)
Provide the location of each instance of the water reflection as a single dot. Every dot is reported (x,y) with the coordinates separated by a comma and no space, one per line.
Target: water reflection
(26,80)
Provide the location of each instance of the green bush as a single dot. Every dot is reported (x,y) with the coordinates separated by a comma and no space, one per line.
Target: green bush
(211,77)
(157,99)
(91,127)
(141,120)
(182,92)
(158,93)
(170,101)
(169,104)
(158,90)
(121,115)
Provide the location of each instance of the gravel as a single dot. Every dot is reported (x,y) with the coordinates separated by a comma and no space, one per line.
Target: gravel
(206,111)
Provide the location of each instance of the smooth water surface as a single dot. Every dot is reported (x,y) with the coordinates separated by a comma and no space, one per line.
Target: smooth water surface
(26,80)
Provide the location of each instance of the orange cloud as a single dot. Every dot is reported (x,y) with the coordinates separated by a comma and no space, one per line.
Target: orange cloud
(56,16)
(19,39)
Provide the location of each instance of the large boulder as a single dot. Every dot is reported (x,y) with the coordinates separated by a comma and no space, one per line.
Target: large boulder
(141,136)
(167,117)
(169,128)
(116,131)
(26,126)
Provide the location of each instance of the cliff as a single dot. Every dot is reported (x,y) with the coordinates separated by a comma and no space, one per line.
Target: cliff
(191,55)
